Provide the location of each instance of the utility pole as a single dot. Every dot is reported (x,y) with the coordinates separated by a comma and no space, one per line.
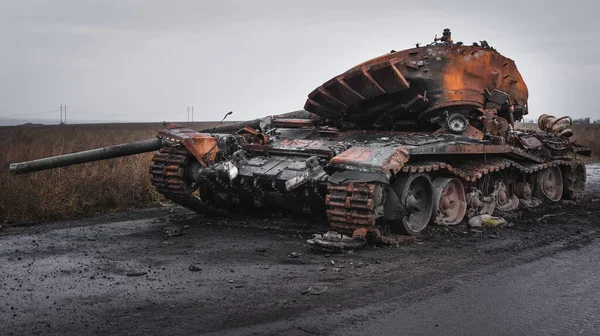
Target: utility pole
(192,113)
(63,113)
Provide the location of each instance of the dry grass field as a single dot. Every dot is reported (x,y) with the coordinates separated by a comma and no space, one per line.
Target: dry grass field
(98,187)
(80,190)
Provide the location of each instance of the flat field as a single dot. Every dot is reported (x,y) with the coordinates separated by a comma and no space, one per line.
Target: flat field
(81,190)
(99,187)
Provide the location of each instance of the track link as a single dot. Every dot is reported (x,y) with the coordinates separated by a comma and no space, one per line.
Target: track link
(168,177)
(353,206)
(474,170)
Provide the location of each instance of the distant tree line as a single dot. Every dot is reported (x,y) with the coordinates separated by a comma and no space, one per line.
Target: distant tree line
(586,120)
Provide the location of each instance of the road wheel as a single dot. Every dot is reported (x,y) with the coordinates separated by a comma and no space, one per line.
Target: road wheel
(449,202)
(550,183)
(415,196)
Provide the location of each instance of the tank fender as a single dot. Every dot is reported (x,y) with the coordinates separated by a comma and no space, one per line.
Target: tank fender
(203,146)
(387,160)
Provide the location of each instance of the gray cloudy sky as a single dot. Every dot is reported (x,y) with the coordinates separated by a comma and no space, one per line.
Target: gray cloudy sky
(131,60)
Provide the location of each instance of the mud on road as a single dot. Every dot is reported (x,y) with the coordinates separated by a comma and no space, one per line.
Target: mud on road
(167,270)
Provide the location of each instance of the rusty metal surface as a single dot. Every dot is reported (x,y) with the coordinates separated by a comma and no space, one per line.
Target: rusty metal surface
(289,122)
(436,76)
(203,146)
(475,169)
(352,209)
(559,126)
(374,159)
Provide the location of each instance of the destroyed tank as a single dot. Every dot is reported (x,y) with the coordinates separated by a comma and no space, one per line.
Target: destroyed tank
(408,139)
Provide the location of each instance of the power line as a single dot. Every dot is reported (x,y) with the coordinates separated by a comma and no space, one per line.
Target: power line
(38,113)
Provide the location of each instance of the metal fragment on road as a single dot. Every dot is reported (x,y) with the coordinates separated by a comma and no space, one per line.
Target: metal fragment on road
(315,290)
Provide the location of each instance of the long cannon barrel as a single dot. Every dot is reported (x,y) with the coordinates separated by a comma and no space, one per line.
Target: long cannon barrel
(98,154)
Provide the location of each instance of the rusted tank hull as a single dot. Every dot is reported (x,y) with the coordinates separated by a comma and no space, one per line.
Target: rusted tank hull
(351,178)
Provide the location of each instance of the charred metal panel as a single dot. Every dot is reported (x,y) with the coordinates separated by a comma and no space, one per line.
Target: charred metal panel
(203,146)
(288,122)
(422,80)
(372,159)
(348,176)
(279,168)
(297,147)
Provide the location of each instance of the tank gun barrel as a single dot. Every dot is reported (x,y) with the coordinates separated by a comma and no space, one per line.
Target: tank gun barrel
(97,154)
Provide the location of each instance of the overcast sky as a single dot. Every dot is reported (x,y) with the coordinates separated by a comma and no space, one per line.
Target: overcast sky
(130,60)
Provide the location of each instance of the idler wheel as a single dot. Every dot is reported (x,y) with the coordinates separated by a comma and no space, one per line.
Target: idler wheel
(415,196)
(574,180)
(450,205)
(550,183)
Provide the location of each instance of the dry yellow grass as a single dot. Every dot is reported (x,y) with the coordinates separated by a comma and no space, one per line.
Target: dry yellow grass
(80,190)
(99,187)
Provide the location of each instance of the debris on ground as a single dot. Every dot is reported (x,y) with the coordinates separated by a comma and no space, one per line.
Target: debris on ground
(294,255)
(315,290)
(531,203)
(336,241)
(486,221)
(172,232)
(546,216)
(261,249)
(194,268)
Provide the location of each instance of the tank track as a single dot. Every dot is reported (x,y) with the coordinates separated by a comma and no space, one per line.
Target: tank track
(352,205)
(168,177)
(474,170)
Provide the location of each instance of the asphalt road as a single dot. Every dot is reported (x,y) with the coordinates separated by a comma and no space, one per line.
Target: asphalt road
(557,295)
(168,271)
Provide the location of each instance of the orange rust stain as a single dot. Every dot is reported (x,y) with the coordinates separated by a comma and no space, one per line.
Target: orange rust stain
(203,147)
(470,71)
(383,159)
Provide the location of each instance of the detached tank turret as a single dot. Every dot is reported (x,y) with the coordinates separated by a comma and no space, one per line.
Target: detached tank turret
(421,87)
(411,138)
